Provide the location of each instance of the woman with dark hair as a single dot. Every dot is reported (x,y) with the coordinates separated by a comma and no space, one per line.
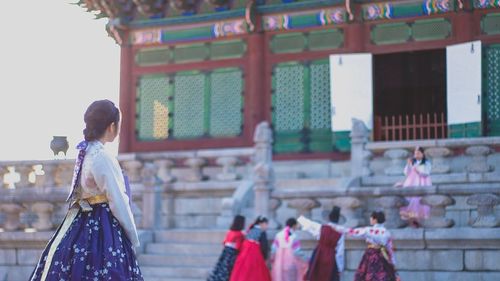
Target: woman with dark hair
(250,264)
(232,244)
(97,237)
(417,172)
(378,262)
(288,263)
(327,260)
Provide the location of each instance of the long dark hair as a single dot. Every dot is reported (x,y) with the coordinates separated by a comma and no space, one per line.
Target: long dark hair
(424,159)
(334,215)
(291,222)
(99,115)
(238,223)
(258,220)
(379,216)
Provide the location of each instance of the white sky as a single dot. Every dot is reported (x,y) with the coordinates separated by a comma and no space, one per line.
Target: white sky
(55,59)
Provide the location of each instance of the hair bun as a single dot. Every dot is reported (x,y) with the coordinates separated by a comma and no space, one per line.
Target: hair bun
(98,117)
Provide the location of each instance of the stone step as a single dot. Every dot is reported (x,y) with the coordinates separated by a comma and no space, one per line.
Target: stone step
(183,249)
(193,272)
(190,235)
(177,260)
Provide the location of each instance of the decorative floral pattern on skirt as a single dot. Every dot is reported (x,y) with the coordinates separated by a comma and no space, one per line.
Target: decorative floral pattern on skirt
(374,267)
(95,247)
(224,266)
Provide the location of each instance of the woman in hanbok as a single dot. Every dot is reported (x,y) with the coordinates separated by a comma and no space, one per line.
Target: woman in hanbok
(250,264)
(232,245)
(97,237)
(288,263)
(417,172)
(327,260)
(378,262)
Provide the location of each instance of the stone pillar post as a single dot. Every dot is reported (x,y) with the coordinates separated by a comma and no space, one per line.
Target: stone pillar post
(391,206)
(165,170)
(262,188)
(49,170)
(349,209)
(228,164)
(478,163)
(12,213)
(303,206)
(24,171)
(169,205)
(151,197)
(360,158)
(64,174)
(43,211)
(438,204)
(398,159)
(263,174)
(196,164)
(440,162)
(133,170)
(486,216)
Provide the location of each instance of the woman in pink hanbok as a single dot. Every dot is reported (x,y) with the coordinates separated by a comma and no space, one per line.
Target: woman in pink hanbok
(288,263)
(417,172)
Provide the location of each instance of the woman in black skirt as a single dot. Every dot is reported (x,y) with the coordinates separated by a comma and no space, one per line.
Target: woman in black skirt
(232,244)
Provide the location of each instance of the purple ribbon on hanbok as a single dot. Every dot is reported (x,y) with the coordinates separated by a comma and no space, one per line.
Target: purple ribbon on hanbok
(82,146)
(127,188)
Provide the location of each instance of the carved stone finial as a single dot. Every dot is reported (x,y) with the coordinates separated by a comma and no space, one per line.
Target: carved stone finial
(486,216)
(440,163)
(303,206)
(391,206)
(263,133)
(438,205)
(196,164)
(228,164)
(148,174)
(359,129)
(398,160)
(478,163)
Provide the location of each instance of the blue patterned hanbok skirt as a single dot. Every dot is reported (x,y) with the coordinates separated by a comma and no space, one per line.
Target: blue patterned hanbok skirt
(224,266)
(88,246)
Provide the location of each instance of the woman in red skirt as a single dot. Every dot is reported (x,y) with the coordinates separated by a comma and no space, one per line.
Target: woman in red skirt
(378,262)
(250,264)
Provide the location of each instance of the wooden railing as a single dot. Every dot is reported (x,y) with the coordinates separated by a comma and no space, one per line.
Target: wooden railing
(410,127)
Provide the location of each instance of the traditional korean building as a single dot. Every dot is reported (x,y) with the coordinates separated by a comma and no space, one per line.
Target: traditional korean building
(198,78)
(202,74)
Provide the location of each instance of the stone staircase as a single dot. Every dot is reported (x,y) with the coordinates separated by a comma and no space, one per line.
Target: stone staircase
(181,254)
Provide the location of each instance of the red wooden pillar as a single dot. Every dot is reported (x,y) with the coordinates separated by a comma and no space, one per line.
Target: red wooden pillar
(464,27)
(127,101)
(255,96)
(355,37)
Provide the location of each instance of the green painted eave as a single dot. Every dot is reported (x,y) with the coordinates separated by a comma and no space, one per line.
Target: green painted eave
(188,19)
(276,8)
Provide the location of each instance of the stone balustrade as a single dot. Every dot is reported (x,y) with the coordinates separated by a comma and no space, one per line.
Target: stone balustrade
(478,203)
(191,166)
(33,193)
(478,158)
